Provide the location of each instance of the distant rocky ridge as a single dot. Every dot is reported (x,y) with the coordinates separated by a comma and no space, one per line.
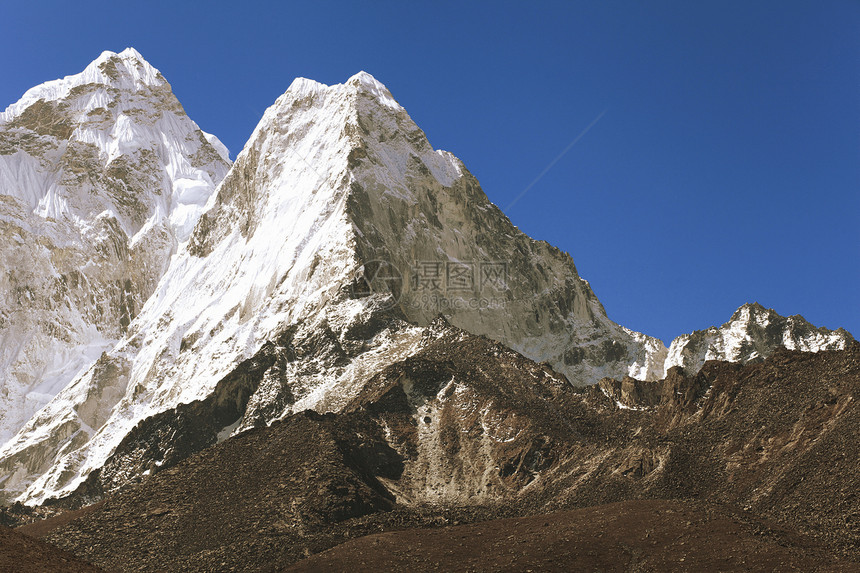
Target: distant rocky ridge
(753,333)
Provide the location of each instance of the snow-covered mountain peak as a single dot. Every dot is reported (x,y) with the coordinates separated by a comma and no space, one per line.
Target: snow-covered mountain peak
(118,69)
(102,176)
(302,90)
(364,78)
(127,71)
(361,81)
(117,120)
(128,54)
(752,333)
(305,147)
(753,312)
(304,87)
(374,88)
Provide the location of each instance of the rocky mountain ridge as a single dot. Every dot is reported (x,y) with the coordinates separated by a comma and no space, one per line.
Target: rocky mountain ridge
(467,430)
(752,333)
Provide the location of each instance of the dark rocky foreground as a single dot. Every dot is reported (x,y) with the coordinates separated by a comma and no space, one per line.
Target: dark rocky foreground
(641,535)
(760,460)
(20,553)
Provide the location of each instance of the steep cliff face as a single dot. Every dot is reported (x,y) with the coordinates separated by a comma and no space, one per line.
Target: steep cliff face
(102,175)
(341,231)
(753,333)
(425,217)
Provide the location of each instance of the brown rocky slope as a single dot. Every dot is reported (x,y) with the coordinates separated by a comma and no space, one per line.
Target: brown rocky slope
(638,535)
(468,430)
(20,553)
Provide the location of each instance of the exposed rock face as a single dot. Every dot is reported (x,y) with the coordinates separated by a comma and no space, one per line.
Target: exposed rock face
(473,421)
(337,209)
(102,175)
(753,333)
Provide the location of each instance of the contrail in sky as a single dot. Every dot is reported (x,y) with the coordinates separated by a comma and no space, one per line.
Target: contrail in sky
(556,160)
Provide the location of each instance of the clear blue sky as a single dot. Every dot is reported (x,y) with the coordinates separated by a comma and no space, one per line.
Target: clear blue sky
(725,170)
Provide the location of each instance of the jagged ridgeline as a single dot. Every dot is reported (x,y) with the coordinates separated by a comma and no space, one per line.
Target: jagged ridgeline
(336,238)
